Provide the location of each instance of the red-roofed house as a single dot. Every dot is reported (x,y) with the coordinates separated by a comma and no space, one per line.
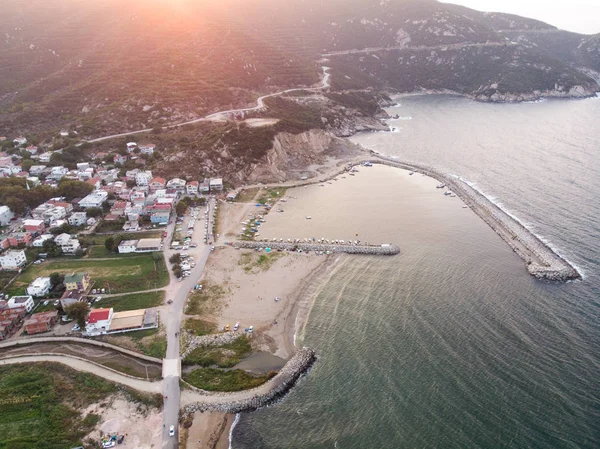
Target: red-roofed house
(95,182)
(41,322)
(157,184)
(118,208)
(192,187)
(98,321)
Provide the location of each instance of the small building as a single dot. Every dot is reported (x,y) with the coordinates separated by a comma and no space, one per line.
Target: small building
(5,215)
(119,208)
(17,302)
(68,244)
(216,184)
(70,297)
(119,159)
(39,242)
(205,186)
(17,239)
(39,287)
(148,245)
(142,178)
(94,199)
(147,149)
(20,141)
(45,157)
(132,225)
(98,321)
(41,322)
(10,320)
(77,281)
(131,146)
(127,246)
(35,226)
(157,183)
(231,196)
(192,188)
(77,219)
(176,184)
(13,259)
(36,170)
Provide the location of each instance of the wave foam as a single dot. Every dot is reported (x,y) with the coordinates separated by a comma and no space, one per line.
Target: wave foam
(235,422)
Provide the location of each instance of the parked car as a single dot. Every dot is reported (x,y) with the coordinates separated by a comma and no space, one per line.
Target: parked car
(76,328)
(172,431)
(57,302)
(37,262)
(170,301)
(45,303)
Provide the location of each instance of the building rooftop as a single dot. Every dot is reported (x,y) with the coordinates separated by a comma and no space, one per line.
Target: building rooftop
(148,243)
(98,315)
(74,277)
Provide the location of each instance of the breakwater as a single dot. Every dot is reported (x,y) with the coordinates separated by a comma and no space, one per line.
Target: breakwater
(383,250)
(192,342)
(197,400)
(542,262)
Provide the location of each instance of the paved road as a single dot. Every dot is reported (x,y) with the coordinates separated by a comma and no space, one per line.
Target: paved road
(178,292)
(219,115)
(82,365)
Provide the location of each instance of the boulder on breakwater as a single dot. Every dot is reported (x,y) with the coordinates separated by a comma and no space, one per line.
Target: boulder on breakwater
(266,394)
(192,342)
(383,250)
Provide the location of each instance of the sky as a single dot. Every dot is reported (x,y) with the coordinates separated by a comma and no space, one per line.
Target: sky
(581,16)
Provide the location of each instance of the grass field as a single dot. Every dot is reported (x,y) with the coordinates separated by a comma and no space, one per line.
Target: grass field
(152,342)
(132,302)
(121,275)
(208,301)
(212,379)
(100,252)
(200,327)
(41,405)
(224,356)
(99,239)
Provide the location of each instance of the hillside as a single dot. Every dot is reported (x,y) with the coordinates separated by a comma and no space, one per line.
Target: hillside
(112,66)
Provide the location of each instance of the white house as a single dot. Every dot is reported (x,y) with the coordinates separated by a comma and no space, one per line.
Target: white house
(68,244)
(20,141)
(58,172)
(177,184)
(98,321)
(94,199)
(205,186)
(39,242)
(142,178)
(77,218)
(36,170)
(54,213)
(5,215)
(216,184)
(82,166)
(127,246)
(33,181)
(147,149)
(21,301)
(131,146)
(13,259)
(45,157)
(192,188)
(39,287)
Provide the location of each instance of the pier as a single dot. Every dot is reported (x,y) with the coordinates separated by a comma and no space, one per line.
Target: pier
(380,250)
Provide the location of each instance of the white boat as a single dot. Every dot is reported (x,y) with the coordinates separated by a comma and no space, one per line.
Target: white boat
(308,217)
(411,173)
(440,186)
(448,192)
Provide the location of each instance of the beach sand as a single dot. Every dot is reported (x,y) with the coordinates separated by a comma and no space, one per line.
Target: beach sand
(209,431)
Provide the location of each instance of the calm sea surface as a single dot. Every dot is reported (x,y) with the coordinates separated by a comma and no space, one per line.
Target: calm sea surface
(452,344)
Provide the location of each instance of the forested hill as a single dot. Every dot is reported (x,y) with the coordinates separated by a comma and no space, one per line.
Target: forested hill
(104,66)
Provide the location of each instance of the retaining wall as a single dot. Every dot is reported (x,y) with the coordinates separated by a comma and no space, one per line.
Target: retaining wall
(258,397)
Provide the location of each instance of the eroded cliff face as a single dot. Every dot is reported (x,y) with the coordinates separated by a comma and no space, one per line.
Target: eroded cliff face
(295,155)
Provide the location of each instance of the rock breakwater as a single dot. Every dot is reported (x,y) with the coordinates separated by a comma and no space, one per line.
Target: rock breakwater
(383,250)
(542,262)
(198,400)
(192,342)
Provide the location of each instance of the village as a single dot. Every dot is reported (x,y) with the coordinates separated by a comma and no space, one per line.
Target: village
(47,249)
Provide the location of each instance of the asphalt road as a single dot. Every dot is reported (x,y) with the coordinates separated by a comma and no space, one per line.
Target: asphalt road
(178,292)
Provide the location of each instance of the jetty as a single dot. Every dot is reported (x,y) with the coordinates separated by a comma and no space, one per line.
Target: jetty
(381,250)
(542,262)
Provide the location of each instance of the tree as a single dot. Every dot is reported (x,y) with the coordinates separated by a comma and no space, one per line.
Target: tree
(52,249)
(74,189)
(175,259)
(78,311)
(131,183)
(56,279)
(94,212)
(26,164)
(181,207)
(109,244)
(177,271)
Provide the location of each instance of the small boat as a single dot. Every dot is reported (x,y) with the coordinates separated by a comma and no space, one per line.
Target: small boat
(448,192)
(411,173)
(440,186)
(465,207)
(351,174)
(279,210)
(308,217)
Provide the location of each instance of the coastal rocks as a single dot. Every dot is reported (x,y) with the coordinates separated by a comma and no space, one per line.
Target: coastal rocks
(382,250)
(192,342)
(249,400)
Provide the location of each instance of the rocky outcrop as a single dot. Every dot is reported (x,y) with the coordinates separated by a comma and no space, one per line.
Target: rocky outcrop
(191,342)
(258,397)
(379,250)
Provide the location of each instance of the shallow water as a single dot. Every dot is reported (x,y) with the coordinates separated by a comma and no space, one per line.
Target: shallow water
(452,343)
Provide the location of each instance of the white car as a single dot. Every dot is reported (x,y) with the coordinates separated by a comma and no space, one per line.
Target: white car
(46,302)
(172,431)
(237,326)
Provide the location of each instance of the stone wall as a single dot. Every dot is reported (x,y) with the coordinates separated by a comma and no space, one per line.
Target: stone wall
(384,250)
(258,397)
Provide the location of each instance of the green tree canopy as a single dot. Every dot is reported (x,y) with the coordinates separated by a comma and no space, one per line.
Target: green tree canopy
(79,311)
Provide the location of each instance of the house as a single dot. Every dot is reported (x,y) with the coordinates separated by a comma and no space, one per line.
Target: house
(39,242)
(94,199)
(16,302)
(216,184)
(34,226)
(127,246)
(131,226)
(77,219)
(192,188)
(54,213)
(148,149)
(77,281)
(13,259)
(58,173)
(4,242)
(131,174)
(20,141)
(148,245)
(32,149)
(95,182)
(57,224)
(39,287)
(98,321)
(45,157)
(64,133)
(231,196)
(36,170)
(142,178)
(119,208)
(119,159)
(176,184)
(131,146)
(5,215)
(157,183)
(33,181)
(205,186)
(159,213)
(82,166)
(68,244)
(10,319)
(71,297)
(41,322)
(17,239)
